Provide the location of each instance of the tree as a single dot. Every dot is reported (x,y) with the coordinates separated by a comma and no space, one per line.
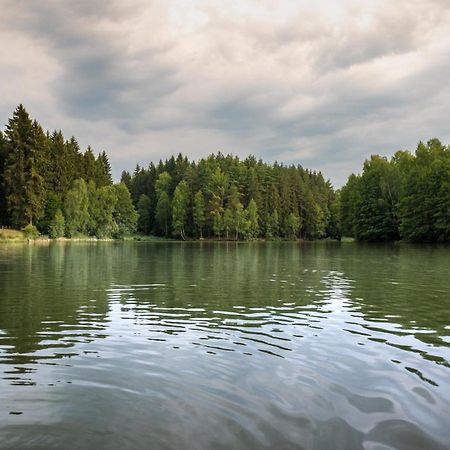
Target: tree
(180,208)
(103,170)
(425,205)
(349,200)
(199,212)
(25,147)
(125,216)
(125,177)
(252,218)
(376,210)
(163,207)
(103,210)
(272,224)
(293,224)
(3,210)
(143,209)
(90,168)
(227,222)
(163,212)
(57,225)
(76,209)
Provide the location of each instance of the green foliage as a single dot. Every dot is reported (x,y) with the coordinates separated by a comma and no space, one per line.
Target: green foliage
(180,208)
(293,224)
(143,210)
(125,216)
(252,220)
(272,224)
(199,212)
(406,197)
(31,232)
(425,205)
(163,212)
(46,180)
(24,167)
(76,209)
(103,209)
(57,225)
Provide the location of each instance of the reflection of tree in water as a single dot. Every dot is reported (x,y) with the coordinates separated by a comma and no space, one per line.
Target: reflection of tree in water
(56,296)
(229,292)
(400,290)
(220,276)
(47,291)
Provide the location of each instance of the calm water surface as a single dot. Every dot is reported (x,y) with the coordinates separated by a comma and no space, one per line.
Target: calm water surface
(224,346)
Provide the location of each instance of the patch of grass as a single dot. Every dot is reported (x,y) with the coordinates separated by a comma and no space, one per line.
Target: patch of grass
(7,235)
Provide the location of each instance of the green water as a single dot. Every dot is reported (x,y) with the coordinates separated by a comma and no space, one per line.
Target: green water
(224,346)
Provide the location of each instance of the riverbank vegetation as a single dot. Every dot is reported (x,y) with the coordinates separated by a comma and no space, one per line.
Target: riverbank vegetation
(404,197)
(49,186)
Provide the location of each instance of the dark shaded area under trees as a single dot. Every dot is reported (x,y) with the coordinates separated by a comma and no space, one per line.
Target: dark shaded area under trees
(48,183)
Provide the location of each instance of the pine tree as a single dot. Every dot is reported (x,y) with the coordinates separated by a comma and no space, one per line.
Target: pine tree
(90,172)
(103,170)
(143,209)
(24,166)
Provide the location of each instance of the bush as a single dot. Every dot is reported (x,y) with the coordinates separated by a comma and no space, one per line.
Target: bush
(31,232)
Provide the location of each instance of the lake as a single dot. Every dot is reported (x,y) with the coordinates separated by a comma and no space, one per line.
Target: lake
(224,346)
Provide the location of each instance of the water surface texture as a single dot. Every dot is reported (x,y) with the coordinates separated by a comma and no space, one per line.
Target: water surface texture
(224,346)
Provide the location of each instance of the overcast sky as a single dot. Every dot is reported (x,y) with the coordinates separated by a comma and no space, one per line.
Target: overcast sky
(324,83)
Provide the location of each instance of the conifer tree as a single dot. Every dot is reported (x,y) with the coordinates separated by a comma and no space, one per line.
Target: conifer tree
(24,166)
(143,209)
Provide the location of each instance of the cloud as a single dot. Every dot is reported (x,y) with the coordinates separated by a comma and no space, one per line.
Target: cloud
(323,85)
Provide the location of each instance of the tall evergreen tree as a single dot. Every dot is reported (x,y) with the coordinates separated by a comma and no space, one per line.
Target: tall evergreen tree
(24,166)
(103,170)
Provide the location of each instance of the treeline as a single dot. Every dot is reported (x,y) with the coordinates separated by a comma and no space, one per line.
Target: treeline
(405,197)
(227,198)
(49,186)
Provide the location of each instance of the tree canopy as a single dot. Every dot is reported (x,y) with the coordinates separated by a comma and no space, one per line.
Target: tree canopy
(48,182)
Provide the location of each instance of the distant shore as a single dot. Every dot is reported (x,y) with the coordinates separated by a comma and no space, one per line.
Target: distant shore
(17,236)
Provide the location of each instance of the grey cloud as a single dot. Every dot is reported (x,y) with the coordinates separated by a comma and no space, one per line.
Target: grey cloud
(304,87)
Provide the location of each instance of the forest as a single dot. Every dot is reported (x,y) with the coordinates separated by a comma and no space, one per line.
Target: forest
(404,197)
(49,186)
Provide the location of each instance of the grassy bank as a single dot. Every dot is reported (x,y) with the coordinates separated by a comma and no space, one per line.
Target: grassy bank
(11,236)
